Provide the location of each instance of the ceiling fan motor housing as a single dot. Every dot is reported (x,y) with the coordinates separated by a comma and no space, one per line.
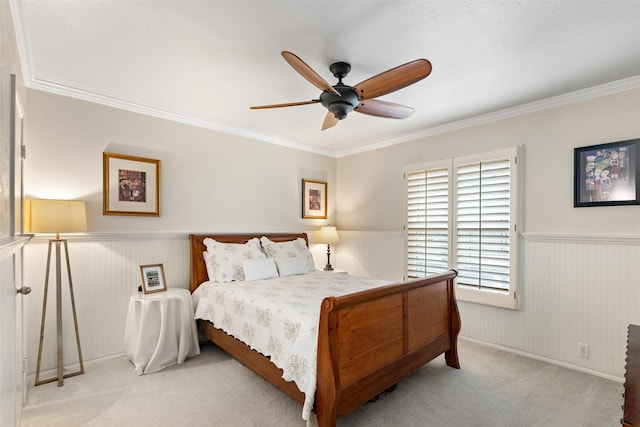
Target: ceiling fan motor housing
(340,106)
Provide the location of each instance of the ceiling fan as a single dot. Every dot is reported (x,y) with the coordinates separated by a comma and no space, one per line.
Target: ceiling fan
(340,99)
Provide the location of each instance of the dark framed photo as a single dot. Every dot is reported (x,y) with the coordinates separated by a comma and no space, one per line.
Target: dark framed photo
(607,174)
(314,199)
(153,278)
(131,185)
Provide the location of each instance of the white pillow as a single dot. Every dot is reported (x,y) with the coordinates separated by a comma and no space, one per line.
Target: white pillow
(228,257)
(291,266)
(208,263)
(291,249)
(259,269)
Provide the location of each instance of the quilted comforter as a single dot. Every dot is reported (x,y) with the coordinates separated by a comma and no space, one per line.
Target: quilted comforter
(278,318)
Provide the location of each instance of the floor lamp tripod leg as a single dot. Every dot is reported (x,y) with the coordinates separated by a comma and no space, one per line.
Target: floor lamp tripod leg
(44,315)
(73,309)
(60,370)
(60,364)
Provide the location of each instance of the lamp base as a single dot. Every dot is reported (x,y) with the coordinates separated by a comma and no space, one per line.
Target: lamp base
(60,366)
(328,266)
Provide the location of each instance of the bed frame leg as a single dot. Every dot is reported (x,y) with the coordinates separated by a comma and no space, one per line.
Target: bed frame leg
(325,420)
(451,357)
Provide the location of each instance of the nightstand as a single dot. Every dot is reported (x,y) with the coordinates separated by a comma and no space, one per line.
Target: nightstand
(160,330)
(336,271)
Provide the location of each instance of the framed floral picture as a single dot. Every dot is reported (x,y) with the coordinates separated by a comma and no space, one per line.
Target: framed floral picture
(314,199)
(607,174)
(131,185)
(153,278)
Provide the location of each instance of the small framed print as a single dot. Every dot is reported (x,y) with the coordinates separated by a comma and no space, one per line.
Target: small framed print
(607,174)
(131,185)
(153,278)
(314,199)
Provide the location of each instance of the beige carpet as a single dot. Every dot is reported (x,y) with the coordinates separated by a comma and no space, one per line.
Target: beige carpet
(494,388)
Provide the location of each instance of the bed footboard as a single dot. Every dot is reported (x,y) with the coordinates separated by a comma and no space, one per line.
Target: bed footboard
(370,340)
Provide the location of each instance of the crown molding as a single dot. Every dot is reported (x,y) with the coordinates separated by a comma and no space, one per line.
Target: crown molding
(121,104)
(18,12)
(532,107)
(557,101)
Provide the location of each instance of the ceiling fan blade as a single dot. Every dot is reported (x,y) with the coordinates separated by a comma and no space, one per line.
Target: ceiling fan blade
(375,107)
(288,104)
(393,79)
(329,121)
(307,72)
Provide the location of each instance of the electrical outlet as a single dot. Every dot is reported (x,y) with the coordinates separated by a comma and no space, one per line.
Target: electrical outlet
(583,350)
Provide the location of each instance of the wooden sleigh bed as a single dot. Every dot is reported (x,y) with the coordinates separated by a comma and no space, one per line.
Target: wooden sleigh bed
(367,341)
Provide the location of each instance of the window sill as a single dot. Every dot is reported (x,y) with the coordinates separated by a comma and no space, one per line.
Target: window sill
(487,297)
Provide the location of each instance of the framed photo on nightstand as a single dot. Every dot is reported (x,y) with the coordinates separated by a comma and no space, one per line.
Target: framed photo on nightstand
(153,278)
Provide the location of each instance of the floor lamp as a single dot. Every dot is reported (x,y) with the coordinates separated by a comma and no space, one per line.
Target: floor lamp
(328,236)
(56,216)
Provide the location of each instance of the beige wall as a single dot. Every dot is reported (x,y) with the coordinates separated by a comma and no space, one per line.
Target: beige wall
(371,186)
(211,181)
(578,267)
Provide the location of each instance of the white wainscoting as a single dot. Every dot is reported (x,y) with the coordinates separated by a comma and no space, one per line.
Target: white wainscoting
(378,254)
(573,289)
(105,273)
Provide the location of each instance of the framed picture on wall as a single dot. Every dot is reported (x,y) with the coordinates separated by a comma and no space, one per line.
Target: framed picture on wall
(607,174)
(314,199)
(131,185)
(153,278)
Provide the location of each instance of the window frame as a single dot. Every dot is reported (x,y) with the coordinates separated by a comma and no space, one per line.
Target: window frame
(505,299)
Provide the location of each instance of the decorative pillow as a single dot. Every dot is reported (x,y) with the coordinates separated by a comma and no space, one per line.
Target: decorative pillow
(291,266)
(259,269)
(292,249)
(228,257)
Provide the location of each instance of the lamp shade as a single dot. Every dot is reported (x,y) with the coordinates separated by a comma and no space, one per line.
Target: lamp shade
(54,216)
(329,235)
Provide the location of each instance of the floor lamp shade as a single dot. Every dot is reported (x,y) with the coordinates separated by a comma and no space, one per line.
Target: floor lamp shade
(55,216)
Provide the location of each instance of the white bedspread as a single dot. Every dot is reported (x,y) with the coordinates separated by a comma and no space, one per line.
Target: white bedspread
(278,318)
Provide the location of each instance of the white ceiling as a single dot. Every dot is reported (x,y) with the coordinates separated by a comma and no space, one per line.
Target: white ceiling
(206,62)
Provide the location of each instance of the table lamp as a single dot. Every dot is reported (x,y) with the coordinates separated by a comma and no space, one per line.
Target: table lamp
(328,236)
(56,216)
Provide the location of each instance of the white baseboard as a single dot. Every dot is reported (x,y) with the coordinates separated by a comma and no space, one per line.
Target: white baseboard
(546,360)
(51,373)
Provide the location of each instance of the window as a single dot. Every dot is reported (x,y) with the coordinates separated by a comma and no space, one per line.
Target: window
(461,213)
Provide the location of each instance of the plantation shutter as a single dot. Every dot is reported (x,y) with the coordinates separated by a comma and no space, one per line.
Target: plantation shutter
(483,206)
(427,224)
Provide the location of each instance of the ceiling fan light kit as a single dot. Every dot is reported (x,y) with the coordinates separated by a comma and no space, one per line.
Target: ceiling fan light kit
(341,99)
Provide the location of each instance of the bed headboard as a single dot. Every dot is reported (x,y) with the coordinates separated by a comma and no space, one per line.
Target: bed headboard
(197,269)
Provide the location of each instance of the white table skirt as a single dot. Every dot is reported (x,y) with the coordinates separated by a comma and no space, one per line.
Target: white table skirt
(160,330)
